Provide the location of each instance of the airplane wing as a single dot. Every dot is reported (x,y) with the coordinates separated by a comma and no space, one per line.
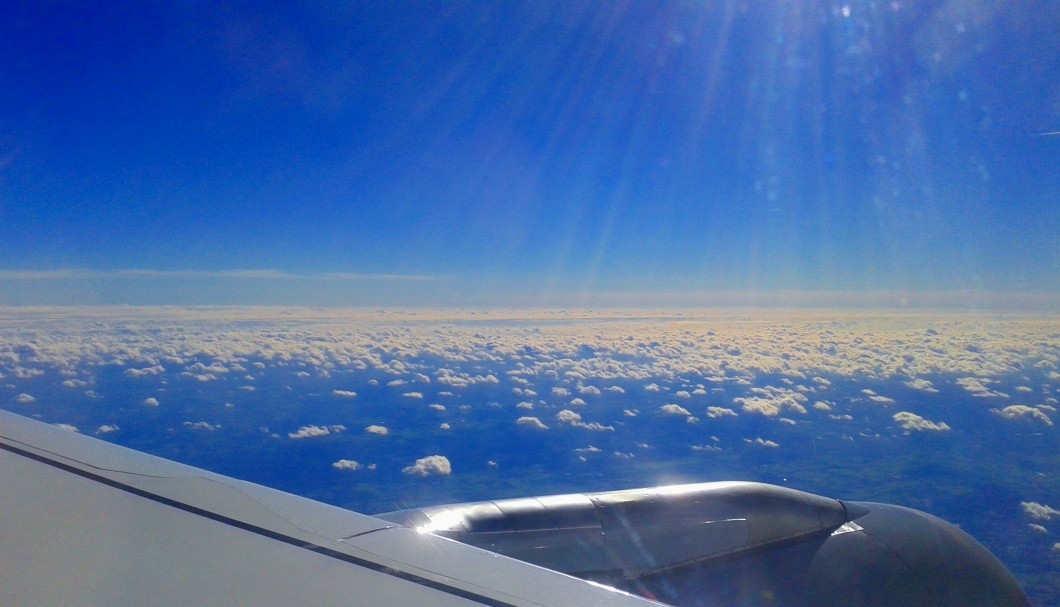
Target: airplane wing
(84,522)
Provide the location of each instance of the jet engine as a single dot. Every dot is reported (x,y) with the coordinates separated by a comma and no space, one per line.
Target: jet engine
(736,543)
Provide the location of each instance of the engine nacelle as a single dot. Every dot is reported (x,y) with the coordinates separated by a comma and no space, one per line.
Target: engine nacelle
(736,543)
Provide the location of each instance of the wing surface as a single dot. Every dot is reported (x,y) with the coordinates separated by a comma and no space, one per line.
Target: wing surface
(84,522)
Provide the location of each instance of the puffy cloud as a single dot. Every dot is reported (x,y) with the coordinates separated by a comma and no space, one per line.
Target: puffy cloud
(346,464)
(672,409)
(589,390)
(150,402)
(977,387)
(821,381)
(1039,512)
(630,412)
(589,449)
(25,399)
(716,412)
(437,407)
(432,465)
(616,390)
(380,430)
(202,426)
(771,401)
(560,392)
(921,384)
(572,419)
(682,394)
(822,406)
(67,427)
(152,370)
(107,428)
(876,398)
(1037,528)
(567,416)
(531,422)
(577,402)
(652,387)
(912,421)
(413,395)
(344,394)
(525,405)
(1023,412)
(315,431)
(761,442)
(444,426)
(75,383)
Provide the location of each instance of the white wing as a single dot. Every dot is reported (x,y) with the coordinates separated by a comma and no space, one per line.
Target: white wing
(84,522)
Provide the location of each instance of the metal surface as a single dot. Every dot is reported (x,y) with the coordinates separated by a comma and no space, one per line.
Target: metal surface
(746,544)
(83,522)
(633,533)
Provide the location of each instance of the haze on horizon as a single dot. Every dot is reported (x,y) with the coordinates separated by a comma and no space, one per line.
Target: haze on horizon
(879,154)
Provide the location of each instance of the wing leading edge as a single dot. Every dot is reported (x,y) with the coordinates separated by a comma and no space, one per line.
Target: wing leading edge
(90,523)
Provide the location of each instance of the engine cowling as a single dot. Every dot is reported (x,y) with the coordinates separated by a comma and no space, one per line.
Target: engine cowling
(736,543)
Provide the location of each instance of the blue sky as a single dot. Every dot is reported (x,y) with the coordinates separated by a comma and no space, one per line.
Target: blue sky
(466,153)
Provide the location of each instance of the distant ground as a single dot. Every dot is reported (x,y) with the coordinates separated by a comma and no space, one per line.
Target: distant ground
(952,413)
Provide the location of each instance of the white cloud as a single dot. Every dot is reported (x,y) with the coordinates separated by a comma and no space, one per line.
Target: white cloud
(672,409)
(560,392)
(67,427)
(567,416)
(437,407)
(432,465)
(770,401)
(25,399)
(761,442)
(310,432)
(202,426)
(152,370)
(531,422)
(380,430)
(1039,512)
(616,390)
(682,394)
(1023,412)
(921,384)
(977,386)
(150,402)
(577,402)
(344,394)
(413,395)
(716,412)
(444,426)
(107,428)
(346,464)
(589,390)
(572,419)
(912,421)
(652,387)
